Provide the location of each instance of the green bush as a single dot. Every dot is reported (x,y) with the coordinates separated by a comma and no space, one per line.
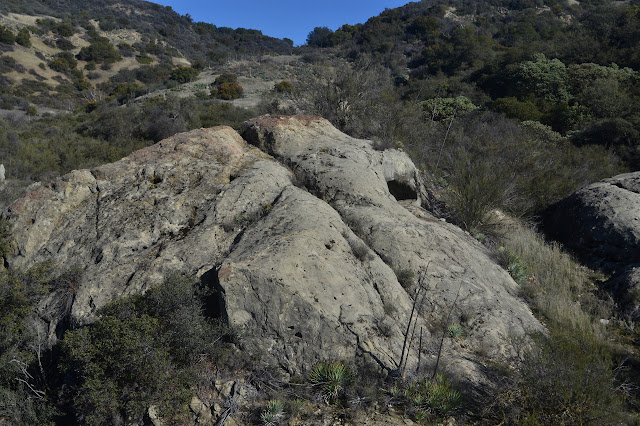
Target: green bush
(568,379)
(23,38)
(127,91)
(321,37)
(225,78)
(143,350)
(99,52)
(455,331)
(440,109)
(514,108)
(64,44)
(273,413)
(427,398)
(516,267)
(6,36)
(144,59)
(228,91)
(24,390)
(283,87)
(64,29)
(406,277)
(184,74)
(64,62)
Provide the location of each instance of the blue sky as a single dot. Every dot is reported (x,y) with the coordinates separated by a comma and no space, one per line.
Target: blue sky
(293,19)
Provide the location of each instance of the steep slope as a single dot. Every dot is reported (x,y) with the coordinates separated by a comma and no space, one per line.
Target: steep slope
(301,251)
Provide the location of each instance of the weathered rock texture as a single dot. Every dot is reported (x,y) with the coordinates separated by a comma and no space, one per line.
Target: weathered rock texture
(601,225)
(300,235)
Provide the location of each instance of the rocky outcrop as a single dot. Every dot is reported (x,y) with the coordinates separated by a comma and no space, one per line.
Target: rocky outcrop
(303,235)
(601,225)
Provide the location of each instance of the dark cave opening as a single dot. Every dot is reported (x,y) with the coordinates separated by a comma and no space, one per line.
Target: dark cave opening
(401,191)
(214,302)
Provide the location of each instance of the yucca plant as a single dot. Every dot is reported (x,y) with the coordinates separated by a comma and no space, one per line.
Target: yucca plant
(429,396)
(273,413)
(331,378)
(455,331)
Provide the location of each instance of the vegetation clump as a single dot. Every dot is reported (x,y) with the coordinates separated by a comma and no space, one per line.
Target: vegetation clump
(283,87)
(99,51)
(227,91)
(426,398)
(64,62)
(273,414)
(6,36)
(331,379)
(143,350)
(572,374)
(184,74)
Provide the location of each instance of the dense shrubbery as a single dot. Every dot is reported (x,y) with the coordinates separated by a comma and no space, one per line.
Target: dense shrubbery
(184,74)
(531,63)
(23,38)
(6,36)
(225,78)
(55,145)
(99,52)
(485,160)
(227,91)
(143,351)
(26,374)
(226,87)
(64,62)
(283,87)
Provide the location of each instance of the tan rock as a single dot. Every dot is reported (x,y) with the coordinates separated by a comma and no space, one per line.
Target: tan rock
(302,255)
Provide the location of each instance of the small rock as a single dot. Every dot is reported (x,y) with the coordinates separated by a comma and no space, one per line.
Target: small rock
(227,389)
(230,422)
(154,416)
(201,410)
(217,409)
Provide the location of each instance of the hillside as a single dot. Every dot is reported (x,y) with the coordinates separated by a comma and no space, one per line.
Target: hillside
(203,225)
(57,58)
(572,66)
(195,40)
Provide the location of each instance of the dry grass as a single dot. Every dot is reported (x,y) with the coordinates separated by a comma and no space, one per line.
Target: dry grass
(573,373)
(560,289)
(30,61)
(18,20)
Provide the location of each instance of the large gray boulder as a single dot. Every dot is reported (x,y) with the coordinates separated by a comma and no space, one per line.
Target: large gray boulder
(302,236)
(601,225)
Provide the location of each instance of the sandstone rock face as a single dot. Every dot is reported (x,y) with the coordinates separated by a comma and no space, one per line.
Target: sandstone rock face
(601,224)
(300,234)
